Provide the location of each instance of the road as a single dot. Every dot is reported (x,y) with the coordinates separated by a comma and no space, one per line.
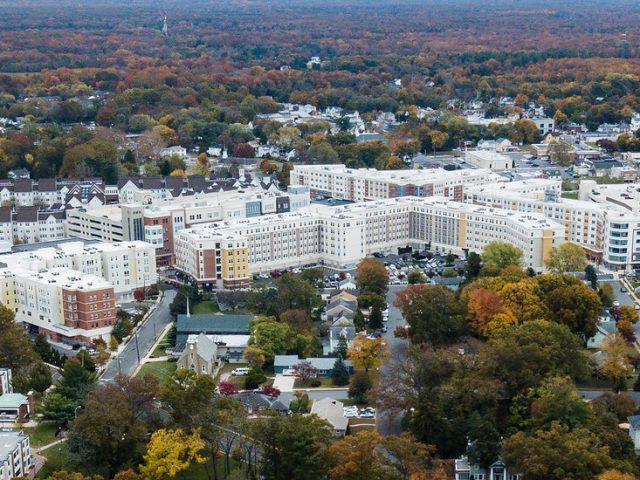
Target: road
(392,424)
(127,360)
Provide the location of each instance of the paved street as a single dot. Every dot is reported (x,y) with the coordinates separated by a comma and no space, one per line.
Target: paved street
(127,361)
(387,424)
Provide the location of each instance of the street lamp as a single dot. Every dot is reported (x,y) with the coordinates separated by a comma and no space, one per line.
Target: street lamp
(75,411)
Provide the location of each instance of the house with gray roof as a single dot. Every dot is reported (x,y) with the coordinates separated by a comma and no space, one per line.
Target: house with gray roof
(323,365)
(211,324)
(333,412)
(199,355)
(15,455)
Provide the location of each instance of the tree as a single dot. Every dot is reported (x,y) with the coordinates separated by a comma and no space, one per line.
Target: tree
(626,313)
(375,318)
(64,475)
(170,452)
(521,299)
(270,391)
(227,388)
(356,457)
(616,365)
(473,266)
(86,360)
(243,150)
(432,312)
(295,292)
(272,337)
(501,254)
(76,381)
(254,378)
(567,257)
(372,276)
(16,351)
(40,377)
(298,319)
(340,373)
(254,356)
(323,153)
(185,395)
(558,401)
(482,306)
(415,276)
(305,371)
(591,276)
(360,385)
(621,405)
(341,349)
(615,475)
(57,408)
(292,447)
(178,172)
(126,475)
(139,295)
(523,356)
(366,352)
(577,307)
(201,166)
(556,454)
(606,294)
(561,153)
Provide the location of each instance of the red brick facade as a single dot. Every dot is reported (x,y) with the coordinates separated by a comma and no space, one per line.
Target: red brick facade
(89,309)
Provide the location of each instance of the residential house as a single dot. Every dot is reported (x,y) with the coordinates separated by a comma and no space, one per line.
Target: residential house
(14,407)
(343,327)
(323,365)
(634,430)
(467,469)
(15,455)
(333,412)
(255,402)
(200,355)
(606,326)
(341,308)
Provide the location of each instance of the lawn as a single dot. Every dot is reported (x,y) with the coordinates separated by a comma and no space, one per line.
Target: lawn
(208,306)
(42,434)
(228,368)
(162,370)
(325,382)
(59,458)
(161,349)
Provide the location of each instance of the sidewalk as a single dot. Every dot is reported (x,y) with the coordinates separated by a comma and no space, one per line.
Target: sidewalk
(147,358)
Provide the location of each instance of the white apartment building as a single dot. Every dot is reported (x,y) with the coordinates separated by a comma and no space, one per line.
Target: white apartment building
(15,454)
(126,266)
(488,160)
(605,220)
(358,184)
(339,237)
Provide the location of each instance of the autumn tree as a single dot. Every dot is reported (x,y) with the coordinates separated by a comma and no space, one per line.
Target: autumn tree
(372,276)
(616,364)
(521,299)
(185,396)
(576,306)
(482,306)
(567,257)
(366,352)
(170,452)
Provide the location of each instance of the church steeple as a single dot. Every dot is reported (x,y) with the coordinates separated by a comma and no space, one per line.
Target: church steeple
(165,27)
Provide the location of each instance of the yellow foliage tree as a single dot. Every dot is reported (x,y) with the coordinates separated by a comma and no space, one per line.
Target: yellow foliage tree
(499,322)
(615,475)
(616,364)
(170,452)
(178,172)
(521,299)
(366,352)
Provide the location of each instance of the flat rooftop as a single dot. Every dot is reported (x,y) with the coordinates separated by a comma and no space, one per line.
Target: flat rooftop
(9,440)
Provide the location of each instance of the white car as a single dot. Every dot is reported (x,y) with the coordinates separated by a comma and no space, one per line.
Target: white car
(240,372)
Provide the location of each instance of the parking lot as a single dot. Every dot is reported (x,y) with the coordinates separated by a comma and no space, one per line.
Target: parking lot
(355,412)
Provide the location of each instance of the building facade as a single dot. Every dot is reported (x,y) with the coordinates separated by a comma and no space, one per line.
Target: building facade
(15,454)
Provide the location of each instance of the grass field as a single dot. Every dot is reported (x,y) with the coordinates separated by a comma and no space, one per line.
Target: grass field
(160,350)
(43,434)
(162,370)
(570,195)
(208,306)
(59,458)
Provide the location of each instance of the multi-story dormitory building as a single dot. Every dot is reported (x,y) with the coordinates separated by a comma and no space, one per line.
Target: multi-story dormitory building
(605,220)
(159,222)
(69,292)
(358,184)
(339,237)
(15,455)
(31,225)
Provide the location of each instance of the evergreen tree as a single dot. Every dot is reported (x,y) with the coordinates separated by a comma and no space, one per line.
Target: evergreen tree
(341,349)
(591,276)
(340,372)
(40,377)
(76,381)
(375,318)
(358,320)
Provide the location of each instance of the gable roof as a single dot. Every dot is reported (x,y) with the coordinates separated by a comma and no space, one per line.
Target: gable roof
(23,185)
(332,411)
(212,324)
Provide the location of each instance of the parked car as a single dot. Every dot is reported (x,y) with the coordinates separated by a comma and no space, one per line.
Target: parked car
(240,372)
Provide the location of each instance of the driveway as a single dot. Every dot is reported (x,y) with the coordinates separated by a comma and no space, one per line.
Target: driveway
(284,383)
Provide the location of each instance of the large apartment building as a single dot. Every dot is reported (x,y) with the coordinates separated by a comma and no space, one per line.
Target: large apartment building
(358,184)
(30,225)
(339,237)
(15,455)
(605,219)
(159,222)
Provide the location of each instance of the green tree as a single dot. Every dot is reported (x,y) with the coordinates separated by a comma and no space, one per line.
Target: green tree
(254,378)
(606,294)
(340,373)
(432,312)
(559,401)
(360,385)
(501,254)
(341,349)
(577,307)
(40,377)
(75,381)
(567,257)
(296,293)
(473,266)
(186,395)
(415,276)
(57,408)
(292,447)
(323,153)
(556,454)
(16,351)
(272,337)
(522,357)
(591,276)
(375,318)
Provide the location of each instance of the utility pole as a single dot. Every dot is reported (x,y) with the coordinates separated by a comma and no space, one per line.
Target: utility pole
(137,347)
